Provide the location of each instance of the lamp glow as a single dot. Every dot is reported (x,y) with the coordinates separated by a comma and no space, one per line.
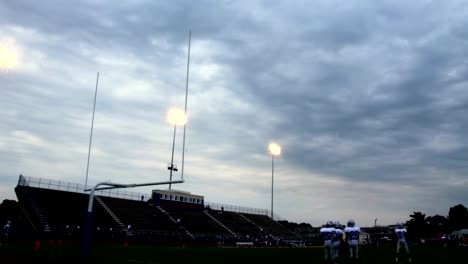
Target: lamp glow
(176,117)
(274,149)
(8,58)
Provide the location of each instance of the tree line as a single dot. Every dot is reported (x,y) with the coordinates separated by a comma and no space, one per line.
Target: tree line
(431,226)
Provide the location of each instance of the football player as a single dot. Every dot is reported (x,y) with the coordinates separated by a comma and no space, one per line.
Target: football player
(352,238)
(337,238)
(327,232)
(401,236)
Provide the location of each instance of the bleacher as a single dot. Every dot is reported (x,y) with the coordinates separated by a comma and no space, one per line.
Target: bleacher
(59,209)
(270,226)
(64,211)
(140,215)
(197,222)
(237,223)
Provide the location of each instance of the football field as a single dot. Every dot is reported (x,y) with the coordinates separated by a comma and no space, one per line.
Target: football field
(69,253)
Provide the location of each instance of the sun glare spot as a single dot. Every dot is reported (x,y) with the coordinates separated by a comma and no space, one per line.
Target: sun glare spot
(8,58)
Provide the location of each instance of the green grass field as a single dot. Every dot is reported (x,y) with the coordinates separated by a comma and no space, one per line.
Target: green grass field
(69,253)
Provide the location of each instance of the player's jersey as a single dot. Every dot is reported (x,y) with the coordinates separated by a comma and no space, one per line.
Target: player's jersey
(401,234)
(338,235)
(352,233)
(327,233)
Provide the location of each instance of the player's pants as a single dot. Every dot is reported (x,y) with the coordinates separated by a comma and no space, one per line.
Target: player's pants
(328,246)
(336,248)
(400,242)
(353,248)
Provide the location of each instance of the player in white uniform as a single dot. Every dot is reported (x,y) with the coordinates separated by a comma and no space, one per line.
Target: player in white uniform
(4,235)
(401,236)
(337,238)
(352,237)
(327,232)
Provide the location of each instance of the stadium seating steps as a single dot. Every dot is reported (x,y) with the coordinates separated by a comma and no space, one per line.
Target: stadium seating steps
(59,211)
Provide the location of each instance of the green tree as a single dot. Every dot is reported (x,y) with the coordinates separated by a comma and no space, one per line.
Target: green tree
(417,225)
(458,217)
(438,225)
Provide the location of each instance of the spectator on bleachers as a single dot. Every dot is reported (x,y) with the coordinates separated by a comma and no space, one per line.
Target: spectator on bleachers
(5,233)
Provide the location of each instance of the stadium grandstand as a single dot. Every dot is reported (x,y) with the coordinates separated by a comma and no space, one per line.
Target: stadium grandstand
(57,210)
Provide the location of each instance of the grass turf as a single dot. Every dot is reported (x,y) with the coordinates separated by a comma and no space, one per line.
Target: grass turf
(69,253)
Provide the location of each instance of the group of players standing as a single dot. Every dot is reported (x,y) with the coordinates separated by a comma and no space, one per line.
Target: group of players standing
(332,235)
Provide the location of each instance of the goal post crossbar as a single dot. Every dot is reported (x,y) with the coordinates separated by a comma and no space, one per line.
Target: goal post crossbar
(132,185)
(89,215)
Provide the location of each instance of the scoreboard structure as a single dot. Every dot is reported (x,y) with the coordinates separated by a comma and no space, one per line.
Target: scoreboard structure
(177,198)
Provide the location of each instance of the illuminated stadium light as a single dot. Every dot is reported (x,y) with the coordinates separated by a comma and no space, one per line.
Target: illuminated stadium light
(176,117)
(8,58)
(275,150)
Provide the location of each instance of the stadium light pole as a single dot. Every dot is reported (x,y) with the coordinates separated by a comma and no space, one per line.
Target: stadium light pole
(275,150)
(176,117)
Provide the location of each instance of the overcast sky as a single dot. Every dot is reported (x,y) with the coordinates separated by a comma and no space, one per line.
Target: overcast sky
(368,100)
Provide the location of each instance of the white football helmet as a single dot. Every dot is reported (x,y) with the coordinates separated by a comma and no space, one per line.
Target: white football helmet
(351,223)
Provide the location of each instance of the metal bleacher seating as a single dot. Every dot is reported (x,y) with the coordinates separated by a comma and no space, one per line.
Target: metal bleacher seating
(59,211)
(197,222)
(52,210)
(236,223)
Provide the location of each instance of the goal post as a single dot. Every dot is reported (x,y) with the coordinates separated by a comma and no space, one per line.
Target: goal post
(89,214)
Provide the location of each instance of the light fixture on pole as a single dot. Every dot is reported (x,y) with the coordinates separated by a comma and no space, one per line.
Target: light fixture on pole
(8,58)
(175,117)
(275,150)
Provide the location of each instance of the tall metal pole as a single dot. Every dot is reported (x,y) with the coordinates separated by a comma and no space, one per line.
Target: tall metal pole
(186,94)
(91,133)
(272,175)
(172,158)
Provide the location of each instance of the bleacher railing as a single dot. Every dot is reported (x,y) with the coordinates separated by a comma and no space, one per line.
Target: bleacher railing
(237,209)
(80,188)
